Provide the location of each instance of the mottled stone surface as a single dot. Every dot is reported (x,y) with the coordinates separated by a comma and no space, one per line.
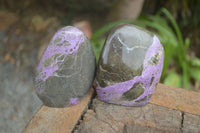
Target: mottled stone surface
(129,67)
(66,70)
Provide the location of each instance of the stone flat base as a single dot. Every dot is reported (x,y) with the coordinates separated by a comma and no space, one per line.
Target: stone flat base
(170,110)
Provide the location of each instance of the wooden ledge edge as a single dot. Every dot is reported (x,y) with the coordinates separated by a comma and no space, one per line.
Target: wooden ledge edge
(65,119)
(59,120)
(177,98)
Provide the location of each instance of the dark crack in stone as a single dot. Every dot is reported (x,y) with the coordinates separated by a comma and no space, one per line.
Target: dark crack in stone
(134,92)
(146,98)
(152,79)
(154,60)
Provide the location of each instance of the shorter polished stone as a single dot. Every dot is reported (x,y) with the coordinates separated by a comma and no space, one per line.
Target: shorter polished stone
(129,67)
(66,70)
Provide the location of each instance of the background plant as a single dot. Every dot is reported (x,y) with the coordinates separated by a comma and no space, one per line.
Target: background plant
(180,69)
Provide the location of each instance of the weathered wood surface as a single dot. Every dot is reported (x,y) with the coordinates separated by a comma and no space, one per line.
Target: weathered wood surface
(58,120)
(170,110)
(177,98)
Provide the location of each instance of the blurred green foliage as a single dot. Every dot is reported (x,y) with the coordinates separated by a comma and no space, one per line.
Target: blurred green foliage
(187,11)
(179,68)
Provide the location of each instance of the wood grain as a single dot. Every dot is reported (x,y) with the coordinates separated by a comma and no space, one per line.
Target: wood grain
(177,98)
(170,110)
(58,120)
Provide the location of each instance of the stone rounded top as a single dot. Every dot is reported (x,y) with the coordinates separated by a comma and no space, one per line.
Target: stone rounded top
(65,41)
(131,36)
(127,45)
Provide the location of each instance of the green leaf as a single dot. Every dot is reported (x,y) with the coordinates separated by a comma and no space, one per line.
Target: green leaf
(169,51)
(186,79)
(193,61)
(195,73)
(98,48)
(187,43)
(175,25)
(173,79)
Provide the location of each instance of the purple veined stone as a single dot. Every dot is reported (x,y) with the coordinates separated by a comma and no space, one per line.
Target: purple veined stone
(66,70)
(129,67)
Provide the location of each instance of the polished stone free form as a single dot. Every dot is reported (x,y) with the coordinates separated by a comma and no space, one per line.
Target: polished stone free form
(129,67)
(66,70)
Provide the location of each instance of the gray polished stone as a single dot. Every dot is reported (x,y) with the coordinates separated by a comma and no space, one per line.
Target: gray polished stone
(129,67)
(66,70)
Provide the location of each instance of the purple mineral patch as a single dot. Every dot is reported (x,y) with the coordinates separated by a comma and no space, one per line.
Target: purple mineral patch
(125,93)
(74,101)
(66,41)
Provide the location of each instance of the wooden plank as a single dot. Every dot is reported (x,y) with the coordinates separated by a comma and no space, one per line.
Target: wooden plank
(110,118)
(170,110)
(58,120)
(191,123)
(177,98)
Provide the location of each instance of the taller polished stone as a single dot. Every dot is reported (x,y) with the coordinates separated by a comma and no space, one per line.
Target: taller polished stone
(129,67)
(66,70)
